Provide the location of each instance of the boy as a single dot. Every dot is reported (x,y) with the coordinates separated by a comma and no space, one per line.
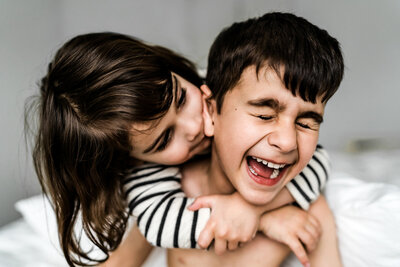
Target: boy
(270,80)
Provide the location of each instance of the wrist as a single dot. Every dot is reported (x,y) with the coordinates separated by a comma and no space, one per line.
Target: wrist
(263,223)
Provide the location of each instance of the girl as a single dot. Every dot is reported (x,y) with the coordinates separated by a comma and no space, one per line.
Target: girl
(108,104)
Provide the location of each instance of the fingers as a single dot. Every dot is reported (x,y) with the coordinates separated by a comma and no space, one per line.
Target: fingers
(232,245)
(314,232)
(315,227)
(307,237)
(314,221)
(310,233)
(308,240)
(207,235)
(299,251)
(201,202)
(220,246)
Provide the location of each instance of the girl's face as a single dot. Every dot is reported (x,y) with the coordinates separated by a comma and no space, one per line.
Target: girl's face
(179,134)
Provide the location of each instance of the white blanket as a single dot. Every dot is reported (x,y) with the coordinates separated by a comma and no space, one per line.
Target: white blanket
(367,215)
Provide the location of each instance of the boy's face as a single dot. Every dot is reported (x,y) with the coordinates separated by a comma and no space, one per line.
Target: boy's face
(264,136)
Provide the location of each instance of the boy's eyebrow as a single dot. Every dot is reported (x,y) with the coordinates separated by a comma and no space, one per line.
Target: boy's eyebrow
(161,136)
(274,104)
(313,115)
(266,102)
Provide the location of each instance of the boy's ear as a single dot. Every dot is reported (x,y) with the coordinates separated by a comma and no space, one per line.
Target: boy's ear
(205,90)
(209,109)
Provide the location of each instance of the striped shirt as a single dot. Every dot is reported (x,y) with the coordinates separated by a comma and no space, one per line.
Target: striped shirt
(156,199)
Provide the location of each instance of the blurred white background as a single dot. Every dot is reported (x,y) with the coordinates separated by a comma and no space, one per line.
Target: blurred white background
(366,106)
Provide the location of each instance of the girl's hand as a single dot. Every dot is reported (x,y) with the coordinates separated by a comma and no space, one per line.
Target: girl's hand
(233,221)
(294,227)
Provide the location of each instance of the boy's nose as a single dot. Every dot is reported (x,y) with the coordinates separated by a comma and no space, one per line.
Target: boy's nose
(284,137)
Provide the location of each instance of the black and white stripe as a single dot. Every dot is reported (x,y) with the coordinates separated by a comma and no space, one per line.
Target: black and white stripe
(307,186)
(156,199)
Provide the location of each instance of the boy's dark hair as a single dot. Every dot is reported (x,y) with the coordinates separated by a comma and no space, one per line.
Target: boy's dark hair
(311,59)
(96,86)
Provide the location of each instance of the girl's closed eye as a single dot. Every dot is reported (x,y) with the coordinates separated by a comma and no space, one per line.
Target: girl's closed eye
(182,98)
(166,140)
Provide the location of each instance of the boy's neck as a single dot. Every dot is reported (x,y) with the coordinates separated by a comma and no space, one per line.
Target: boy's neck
(203,177)
(217,179)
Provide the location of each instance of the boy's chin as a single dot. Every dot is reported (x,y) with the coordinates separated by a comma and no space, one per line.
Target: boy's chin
(259,198)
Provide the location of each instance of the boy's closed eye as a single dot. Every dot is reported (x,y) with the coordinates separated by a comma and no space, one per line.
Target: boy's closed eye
(312,123)
(308,125)
(265,117)
(310,120)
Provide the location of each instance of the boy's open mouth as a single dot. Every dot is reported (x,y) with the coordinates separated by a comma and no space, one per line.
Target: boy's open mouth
(264,169)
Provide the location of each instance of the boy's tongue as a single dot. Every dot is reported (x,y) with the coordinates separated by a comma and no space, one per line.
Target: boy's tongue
(260,168)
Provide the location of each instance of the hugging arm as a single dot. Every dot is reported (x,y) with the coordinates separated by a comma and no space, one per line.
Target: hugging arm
(306,187)
(156,199)
(132,252)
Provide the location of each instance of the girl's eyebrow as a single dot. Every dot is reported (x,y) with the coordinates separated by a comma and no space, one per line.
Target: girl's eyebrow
(175,100)
(175,89)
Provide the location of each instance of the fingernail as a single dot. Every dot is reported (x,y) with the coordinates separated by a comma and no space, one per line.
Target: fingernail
(307,265)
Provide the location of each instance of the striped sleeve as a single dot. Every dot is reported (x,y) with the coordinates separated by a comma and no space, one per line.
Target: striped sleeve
(156,199)
(307,186)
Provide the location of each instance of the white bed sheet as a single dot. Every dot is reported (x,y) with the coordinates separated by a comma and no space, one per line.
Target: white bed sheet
(21,246)
(367,213)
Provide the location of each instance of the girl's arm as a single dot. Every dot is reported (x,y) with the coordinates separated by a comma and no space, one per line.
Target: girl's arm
(155,197)
(132,252)
(306,187)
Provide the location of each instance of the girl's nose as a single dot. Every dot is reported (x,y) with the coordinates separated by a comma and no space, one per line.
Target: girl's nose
(191,127)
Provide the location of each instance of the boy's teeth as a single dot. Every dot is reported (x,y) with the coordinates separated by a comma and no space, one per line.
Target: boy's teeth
(274,174)
(253,171)
(269,164)
(273,165)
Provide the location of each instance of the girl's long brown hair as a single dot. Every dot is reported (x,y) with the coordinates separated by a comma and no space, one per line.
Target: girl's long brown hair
(96,86)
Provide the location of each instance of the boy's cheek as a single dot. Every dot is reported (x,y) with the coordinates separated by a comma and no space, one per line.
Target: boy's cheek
(307,149)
